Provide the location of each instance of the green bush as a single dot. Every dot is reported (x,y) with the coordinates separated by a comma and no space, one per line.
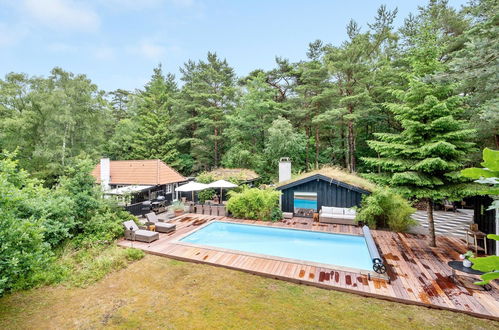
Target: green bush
(384,208)
(205,195)
(36,221)
(254,203)
(276,214)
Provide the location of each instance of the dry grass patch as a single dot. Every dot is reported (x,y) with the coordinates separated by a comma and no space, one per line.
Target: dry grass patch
(157,292)
(335,173)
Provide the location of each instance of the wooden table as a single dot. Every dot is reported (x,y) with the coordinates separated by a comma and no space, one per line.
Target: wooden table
(458,266)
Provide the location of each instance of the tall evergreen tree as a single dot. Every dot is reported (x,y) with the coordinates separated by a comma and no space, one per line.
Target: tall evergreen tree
(207,97)
(313,96)
(423,161)
(351,66)
(249,123)
(149,134)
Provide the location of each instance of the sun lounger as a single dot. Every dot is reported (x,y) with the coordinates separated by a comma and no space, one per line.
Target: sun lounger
(161,227)
(133,233)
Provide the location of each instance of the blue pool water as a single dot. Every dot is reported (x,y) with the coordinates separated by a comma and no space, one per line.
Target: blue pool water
(334,249)
(305,204)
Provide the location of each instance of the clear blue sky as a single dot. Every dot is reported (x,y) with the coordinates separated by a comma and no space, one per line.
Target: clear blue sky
(117,43)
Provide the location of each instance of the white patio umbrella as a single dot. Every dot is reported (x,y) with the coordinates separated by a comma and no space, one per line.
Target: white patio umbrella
(192,187)
(222,184)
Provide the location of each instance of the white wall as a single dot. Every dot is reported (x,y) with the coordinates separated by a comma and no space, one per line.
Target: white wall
(284,169)
(105,173)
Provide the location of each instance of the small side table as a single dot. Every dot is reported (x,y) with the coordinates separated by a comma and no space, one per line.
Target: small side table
(476,235)
(316,217)
(458,266)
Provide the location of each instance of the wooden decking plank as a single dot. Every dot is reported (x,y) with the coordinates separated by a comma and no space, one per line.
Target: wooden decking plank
(419,273)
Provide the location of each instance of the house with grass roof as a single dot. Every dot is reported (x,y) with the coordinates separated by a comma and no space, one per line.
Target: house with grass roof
(307,193)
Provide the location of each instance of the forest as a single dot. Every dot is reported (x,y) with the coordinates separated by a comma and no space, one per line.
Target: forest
(328,109)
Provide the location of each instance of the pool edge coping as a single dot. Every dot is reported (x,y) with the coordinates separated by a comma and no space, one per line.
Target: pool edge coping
(365,272)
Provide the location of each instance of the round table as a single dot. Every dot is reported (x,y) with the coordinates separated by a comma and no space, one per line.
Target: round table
(458,266)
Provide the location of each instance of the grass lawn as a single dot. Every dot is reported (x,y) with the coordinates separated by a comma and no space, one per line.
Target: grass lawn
(157,292)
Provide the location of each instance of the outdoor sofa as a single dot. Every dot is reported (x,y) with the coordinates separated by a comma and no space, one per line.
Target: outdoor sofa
(133,233)
(338,215)
(161,227)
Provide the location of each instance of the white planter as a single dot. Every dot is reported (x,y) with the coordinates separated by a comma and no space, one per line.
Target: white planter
(467,263)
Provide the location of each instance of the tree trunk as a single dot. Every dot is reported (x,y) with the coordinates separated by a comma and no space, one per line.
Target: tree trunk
(64,144)
(317,147)
(431,224)
(351,147)
(342,139)
(307,132)
(216,147)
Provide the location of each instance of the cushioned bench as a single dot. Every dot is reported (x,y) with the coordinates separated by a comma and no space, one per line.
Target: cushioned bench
(339,215)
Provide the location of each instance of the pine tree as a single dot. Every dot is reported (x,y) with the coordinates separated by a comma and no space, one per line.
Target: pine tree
(206,98)
(352,66)
(423,161)
(314,94)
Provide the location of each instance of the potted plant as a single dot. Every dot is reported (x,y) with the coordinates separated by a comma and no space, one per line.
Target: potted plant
(465,258)
(177,208)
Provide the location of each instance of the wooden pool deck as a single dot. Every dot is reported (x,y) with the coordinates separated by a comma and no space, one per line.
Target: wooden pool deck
(419,274)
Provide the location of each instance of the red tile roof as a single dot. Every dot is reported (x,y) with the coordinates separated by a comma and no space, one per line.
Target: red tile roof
(141,172)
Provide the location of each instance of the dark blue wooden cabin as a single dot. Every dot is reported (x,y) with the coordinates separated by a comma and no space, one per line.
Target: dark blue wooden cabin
(327,192)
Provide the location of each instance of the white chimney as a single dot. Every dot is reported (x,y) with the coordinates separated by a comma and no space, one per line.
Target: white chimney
(284,169)
(105,173)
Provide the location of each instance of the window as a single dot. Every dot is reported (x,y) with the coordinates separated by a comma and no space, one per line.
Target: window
(305,203)
(168,189)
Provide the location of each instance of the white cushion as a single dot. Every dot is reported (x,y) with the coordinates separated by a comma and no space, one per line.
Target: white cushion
(337,210)
(327,209)
(350,211)
(146,233)
(349,216)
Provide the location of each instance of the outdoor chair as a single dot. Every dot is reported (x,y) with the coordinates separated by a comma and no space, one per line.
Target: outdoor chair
(133,233)
(161,227)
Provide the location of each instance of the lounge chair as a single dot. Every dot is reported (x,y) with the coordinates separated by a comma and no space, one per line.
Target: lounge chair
(338,215)
(133,233)
(161,227)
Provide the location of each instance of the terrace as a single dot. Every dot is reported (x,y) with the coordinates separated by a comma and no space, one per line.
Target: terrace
(419,275)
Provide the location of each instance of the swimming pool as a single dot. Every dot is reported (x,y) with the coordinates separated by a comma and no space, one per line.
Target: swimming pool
(332,249)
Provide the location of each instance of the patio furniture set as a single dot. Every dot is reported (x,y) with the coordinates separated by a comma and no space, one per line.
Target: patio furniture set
(142,234)
(209,209)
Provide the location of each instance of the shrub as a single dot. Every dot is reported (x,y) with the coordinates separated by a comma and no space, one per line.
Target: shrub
(384,208)
(81,267)
(35,221)
(276,214)
(205,177)
(253,203)
(205,195)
